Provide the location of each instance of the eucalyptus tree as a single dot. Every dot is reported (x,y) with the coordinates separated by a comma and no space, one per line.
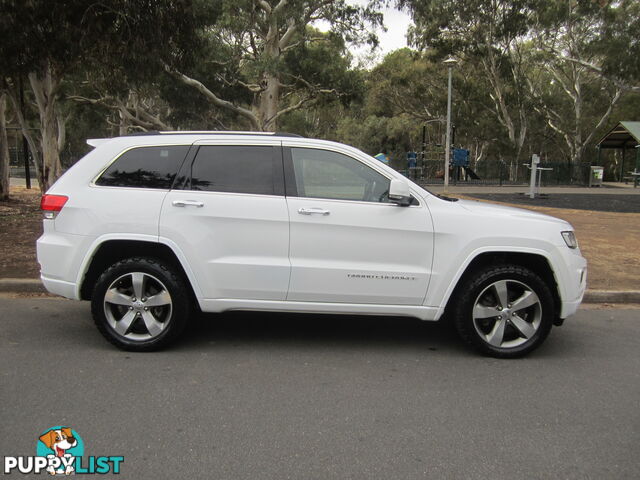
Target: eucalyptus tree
(573,82)
(408,82)
(4,149)
(45,44)
(127,78)
(488,36)
(407,90)
(325,61)
(253,39)
(617,44)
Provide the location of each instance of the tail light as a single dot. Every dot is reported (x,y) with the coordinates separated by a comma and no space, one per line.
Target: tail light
(52,204)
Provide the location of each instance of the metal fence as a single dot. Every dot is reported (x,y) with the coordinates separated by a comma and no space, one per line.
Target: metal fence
(500,173)
(16,161)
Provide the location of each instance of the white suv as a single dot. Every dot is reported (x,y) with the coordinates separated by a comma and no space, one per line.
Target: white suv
(150,227)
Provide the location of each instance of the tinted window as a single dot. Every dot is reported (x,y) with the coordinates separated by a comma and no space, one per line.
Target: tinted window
(147,167)
(238,169)
(325,174)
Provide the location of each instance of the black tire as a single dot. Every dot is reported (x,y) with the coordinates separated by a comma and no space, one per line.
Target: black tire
(168,320)
(477,332)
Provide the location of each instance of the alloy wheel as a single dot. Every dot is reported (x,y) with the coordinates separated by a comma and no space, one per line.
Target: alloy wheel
(138,306)
(507,314)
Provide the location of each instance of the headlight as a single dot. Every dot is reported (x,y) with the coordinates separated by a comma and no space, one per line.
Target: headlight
(570,239)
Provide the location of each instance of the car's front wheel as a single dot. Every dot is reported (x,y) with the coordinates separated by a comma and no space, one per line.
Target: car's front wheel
(505,311)
(140,304)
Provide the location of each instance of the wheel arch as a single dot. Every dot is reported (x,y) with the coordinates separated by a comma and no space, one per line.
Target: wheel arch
(110,251)
(535,261)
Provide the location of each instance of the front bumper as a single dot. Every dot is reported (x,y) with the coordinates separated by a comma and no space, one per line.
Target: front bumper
(572,281)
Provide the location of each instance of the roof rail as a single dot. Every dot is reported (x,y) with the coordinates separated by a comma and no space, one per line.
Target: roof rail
(212,132)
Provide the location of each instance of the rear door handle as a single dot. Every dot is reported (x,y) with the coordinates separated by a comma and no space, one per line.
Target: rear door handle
(187,203)
(313,211)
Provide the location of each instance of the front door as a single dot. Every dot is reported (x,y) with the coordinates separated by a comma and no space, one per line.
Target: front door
(348,243)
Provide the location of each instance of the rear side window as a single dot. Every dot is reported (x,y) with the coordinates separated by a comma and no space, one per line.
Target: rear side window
(237,169)
(145,167)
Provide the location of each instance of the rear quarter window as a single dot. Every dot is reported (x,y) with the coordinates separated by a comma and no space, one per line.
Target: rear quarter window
(145,167)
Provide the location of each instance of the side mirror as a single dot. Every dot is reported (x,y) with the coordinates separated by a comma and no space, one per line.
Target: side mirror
(399,192)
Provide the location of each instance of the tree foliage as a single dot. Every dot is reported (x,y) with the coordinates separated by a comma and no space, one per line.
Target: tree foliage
(267,46)
(534,76)
(560,59)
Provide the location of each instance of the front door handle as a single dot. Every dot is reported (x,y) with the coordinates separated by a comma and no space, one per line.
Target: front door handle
(187,203)
(313,211)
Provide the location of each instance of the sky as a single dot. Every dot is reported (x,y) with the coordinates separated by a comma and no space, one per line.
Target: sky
(397,23)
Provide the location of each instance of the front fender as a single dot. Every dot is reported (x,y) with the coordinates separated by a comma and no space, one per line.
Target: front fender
(447,279)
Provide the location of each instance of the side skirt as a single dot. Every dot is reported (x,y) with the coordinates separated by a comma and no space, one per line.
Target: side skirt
(222,305)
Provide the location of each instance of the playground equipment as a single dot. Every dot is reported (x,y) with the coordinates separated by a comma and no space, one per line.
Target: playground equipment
(534,187)
(429,162)
(382,157)
(461,165)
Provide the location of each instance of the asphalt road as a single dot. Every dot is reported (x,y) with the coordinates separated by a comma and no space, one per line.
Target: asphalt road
(283,396)
(580,201)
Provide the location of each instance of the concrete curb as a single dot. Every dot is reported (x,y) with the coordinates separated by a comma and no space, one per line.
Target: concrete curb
(34,285)
(21,285)
(612,296)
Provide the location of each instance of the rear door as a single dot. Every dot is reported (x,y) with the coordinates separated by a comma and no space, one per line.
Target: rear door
(228,216)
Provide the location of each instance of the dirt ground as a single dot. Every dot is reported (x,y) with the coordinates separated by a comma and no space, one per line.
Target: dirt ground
(610,241)
(20,227)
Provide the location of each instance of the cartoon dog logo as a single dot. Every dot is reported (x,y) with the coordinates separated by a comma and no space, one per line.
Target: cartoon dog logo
(60,440)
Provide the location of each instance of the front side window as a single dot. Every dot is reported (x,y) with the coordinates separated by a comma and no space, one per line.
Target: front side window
(145,167)
(236,168)
(326,174)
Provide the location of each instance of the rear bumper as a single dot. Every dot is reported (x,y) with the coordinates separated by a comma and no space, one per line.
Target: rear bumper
(60,287)
(60,256)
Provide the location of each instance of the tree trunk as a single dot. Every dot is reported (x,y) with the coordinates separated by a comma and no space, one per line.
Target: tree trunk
(269,101)
(51,168)
(4,150)
(516,130)
(270,97)
(123,124)
(45,89)
(15,95)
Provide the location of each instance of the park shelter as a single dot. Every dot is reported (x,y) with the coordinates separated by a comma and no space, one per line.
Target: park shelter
(624,136)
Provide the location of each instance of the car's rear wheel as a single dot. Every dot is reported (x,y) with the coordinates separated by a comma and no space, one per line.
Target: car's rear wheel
(140,304)
(505,311)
